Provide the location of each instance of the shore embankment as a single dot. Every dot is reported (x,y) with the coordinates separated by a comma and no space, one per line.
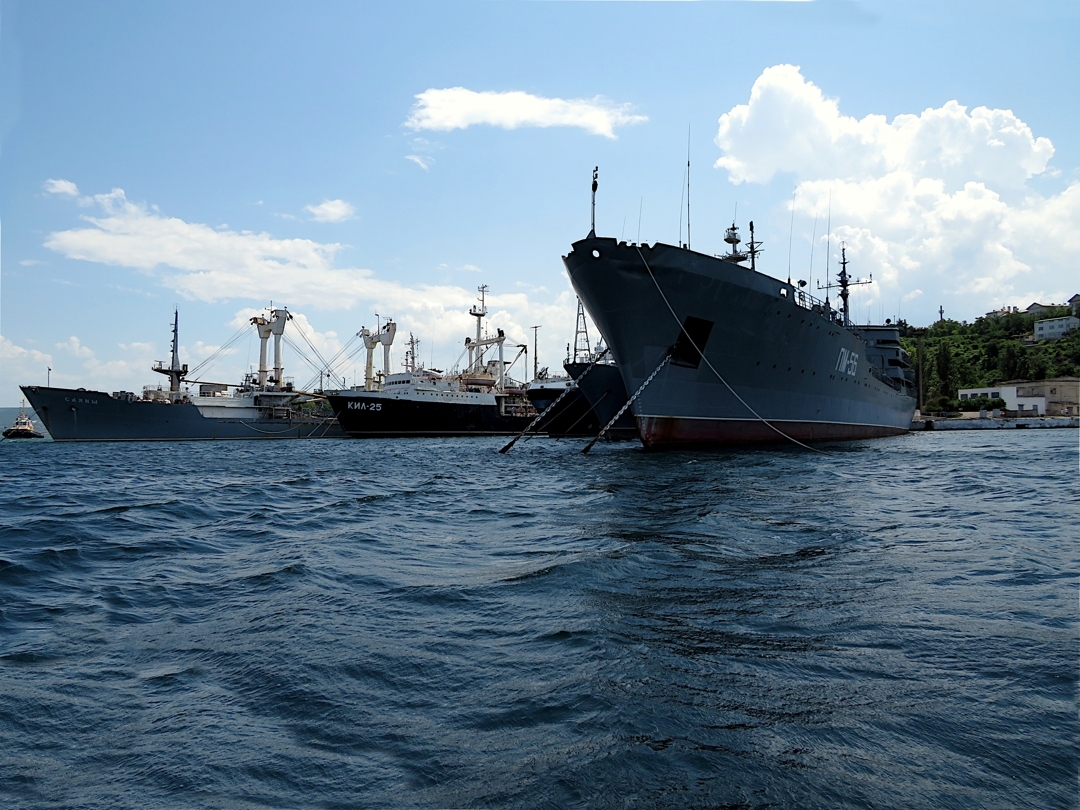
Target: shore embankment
(994,423)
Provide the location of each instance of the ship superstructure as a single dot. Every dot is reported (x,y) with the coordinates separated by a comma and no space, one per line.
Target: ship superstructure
(265,405)
(481,399)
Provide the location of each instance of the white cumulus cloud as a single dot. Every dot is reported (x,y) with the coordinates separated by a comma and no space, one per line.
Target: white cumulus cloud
(459,108)
(206,264)
(63,187)
(935,201)
(331,211)
(20,366)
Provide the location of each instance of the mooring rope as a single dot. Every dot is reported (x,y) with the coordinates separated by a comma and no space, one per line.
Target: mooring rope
(719,376)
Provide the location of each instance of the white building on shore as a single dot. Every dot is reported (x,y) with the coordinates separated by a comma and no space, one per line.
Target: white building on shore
(1054,328)
(1058,396)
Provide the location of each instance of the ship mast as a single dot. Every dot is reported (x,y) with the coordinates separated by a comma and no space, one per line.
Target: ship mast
(581,335)
(478,312)
(175,372)
(535,355)
(595,184)
(847,282)
(411,363)
(844,283)
(754,248)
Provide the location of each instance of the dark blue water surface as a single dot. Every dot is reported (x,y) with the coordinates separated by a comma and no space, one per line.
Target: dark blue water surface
(431,624)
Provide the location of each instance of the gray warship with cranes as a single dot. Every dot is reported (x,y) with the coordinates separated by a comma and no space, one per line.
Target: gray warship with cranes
(480,400)
(713,352)
(265,405)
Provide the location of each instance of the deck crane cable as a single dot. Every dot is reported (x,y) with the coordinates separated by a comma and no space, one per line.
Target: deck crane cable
(343,349)
(292,344)
(325,365)
(220,352)
(713,369)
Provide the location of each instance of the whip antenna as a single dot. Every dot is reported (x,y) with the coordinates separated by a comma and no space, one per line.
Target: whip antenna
(791,231)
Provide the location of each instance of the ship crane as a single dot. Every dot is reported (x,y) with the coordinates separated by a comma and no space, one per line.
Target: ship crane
(384,336)
(275,326)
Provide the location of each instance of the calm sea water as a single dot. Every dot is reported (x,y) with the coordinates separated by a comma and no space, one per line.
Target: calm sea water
(431,624)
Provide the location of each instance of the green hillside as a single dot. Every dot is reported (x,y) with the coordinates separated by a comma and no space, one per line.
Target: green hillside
(961,355)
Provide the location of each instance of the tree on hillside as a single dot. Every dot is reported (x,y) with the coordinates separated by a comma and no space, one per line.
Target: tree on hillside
(943,365)
(1012,361)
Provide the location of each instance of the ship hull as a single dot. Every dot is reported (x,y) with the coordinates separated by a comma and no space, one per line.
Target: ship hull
(21,433)
(767,360)
(372,414)
(573,416)
(89,416)
(604,389)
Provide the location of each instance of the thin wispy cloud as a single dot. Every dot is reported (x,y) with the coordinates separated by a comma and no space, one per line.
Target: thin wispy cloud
(424,163)
(331,211)
(460,108)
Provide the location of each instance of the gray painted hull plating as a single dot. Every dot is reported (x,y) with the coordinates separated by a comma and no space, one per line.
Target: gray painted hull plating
(780,358)
(77,415)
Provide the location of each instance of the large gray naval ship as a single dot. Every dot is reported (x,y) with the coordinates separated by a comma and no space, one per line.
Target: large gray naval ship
(713,352)
(265,406)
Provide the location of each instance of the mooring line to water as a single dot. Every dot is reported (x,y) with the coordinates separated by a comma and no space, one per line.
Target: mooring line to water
(558,399)
(710,365)
(626,405)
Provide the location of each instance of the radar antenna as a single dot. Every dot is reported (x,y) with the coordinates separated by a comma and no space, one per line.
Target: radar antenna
(731,236)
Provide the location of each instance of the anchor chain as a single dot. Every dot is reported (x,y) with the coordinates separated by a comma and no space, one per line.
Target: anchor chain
(629,402)
(558,399)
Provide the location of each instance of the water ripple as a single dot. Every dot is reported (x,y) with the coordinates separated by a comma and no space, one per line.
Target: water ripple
(431,623)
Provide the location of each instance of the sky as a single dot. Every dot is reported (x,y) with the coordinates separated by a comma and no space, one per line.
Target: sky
(358,161)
